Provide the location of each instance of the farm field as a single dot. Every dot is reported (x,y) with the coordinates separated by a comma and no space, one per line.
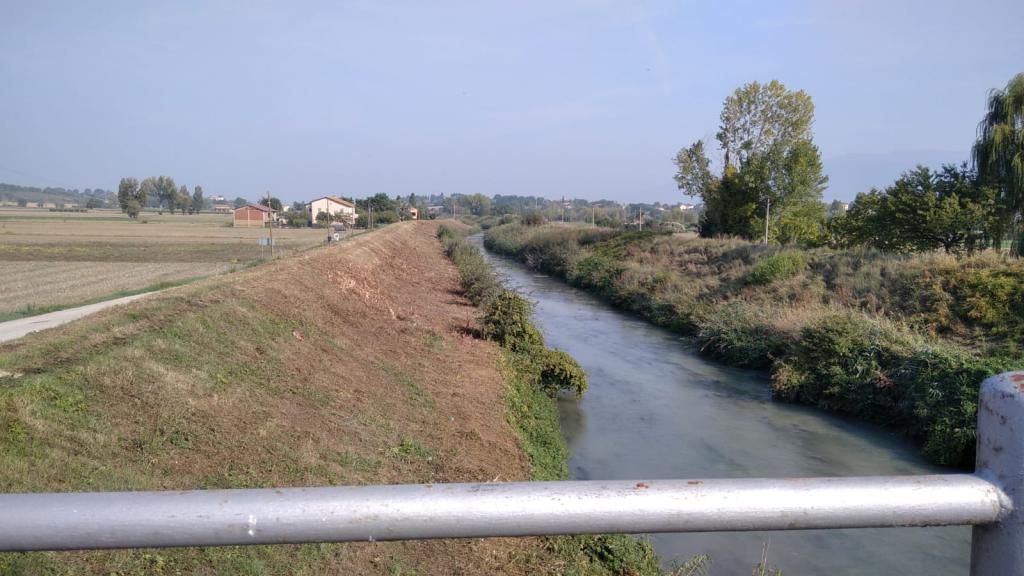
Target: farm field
(53,259)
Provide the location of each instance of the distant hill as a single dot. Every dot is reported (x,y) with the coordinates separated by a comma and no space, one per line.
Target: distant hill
(31,195)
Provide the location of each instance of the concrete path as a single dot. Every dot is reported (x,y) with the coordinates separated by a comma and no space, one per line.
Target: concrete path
(15,329)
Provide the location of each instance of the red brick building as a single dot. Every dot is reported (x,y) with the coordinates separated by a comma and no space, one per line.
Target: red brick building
(254,215)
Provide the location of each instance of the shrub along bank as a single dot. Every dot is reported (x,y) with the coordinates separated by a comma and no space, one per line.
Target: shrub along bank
(535,375)
(900,340)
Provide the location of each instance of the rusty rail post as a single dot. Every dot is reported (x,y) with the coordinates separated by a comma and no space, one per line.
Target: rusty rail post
(997,549)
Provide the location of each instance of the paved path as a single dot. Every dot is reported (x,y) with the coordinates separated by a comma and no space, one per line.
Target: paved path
(15,329)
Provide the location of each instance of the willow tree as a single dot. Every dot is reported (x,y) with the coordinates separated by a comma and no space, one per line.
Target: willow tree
(999,151)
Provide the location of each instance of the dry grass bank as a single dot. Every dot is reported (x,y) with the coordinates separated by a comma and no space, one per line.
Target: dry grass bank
(345,365)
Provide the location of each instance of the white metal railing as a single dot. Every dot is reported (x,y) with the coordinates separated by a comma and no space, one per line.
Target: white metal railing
(989,500)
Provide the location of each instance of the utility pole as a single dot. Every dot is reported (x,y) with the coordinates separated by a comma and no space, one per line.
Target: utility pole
(269,207)
(641,219)
(593,216)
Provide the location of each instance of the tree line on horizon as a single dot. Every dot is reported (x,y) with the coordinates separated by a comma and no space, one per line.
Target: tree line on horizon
(132,195)
(768,183)
(764,182)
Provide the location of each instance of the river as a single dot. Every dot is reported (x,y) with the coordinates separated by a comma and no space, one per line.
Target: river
(655,409)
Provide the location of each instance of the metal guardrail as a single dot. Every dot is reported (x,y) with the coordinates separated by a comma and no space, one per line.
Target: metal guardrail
(989,500)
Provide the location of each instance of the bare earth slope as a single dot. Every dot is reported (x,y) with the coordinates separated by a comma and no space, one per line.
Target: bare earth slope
(343,365)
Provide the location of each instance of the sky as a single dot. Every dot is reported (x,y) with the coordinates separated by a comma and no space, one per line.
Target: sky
(586,99)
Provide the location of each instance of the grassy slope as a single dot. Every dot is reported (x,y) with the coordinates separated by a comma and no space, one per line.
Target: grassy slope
(904,341)
(344,365)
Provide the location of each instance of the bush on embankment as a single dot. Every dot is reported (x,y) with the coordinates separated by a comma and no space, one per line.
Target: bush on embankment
(535,376)
(900,340)
(856,365)
(477,277)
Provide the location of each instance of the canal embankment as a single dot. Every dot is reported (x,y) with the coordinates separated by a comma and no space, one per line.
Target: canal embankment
(903,341)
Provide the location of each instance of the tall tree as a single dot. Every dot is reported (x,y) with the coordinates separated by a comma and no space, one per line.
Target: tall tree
(730,206)
(759,117)
(793,190)
(999,150)
(861,225)
(183,201)
(197,200)
(836,208)
(149,191)
(771,179)
(694,176)
(270,202)
(479,205)
(380,202)
(131,197)
(166,191)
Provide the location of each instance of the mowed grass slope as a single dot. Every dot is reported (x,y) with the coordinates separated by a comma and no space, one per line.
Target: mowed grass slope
(343,365)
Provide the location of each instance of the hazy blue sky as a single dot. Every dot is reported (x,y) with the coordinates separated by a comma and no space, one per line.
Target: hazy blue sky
(585,99)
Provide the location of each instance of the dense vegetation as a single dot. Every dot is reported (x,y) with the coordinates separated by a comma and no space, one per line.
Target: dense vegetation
(924,210)
(535,374)
(770,182)
(897,339)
